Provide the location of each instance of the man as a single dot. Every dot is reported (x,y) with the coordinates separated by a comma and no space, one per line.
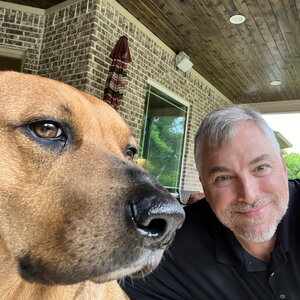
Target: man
(243,241)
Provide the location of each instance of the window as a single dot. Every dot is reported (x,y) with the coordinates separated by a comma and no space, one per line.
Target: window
(163,135)
(11,59)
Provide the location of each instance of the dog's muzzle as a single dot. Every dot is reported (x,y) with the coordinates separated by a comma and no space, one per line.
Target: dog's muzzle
(150,215)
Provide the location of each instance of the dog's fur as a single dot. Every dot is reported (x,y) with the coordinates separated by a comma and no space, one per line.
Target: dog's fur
(66,229)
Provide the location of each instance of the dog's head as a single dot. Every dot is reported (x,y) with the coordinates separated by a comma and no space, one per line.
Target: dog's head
(73,205)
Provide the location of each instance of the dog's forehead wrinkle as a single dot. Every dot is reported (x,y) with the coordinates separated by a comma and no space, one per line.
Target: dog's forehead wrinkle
(66,108)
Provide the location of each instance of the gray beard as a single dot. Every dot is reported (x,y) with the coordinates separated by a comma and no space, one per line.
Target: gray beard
(251,234)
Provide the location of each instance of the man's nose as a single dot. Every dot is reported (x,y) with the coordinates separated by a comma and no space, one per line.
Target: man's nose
(247,189)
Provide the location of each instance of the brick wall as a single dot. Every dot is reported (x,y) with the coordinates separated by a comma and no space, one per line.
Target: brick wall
(23,31)
(77,40)
(66,44)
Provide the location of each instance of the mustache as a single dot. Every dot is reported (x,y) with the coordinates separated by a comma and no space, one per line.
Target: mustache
(243,206)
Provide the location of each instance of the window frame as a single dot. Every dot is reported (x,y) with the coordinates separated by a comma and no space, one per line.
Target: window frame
(13,53)
(187,106)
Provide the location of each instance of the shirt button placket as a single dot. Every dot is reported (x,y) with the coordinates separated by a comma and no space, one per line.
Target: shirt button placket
(282,296)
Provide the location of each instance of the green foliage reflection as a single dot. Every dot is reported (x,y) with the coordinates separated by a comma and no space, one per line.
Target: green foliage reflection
(163,150)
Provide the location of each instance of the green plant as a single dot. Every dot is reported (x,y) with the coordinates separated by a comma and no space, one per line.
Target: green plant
(292,161)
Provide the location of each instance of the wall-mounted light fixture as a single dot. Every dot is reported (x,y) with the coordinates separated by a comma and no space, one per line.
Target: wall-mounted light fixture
(183,62)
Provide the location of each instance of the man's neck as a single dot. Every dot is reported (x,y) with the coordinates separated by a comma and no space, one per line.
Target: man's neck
(261,250)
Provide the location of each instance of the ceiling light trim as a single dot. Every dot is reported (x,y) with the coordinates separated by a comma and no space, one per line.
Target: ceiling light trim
(275,82)
(237,19)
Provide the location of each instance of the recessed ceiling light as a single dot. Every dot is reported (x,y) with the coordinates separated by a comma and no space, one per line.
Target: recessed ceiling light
(275,82)
(237,19)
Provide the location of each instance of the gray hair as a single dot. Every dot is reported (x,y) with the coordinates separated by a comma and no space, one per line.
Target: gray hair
(216,128)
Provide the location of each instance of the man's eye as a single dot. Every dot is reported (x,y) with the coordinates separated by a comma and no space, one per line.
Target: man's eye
(262,168)
(222,178)
(46,130)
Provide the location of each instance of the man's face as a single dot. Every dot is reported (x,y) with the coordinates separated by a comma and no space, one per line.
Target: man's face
(245,183)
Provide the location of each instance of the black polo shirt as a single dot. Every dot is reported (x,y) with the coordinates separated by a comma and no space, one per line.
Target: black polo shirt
(206,262)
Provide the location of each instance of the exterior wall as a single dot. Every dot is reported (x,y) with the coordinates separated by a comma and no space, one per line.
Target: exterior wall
(65,52)
(78,38)
(23,31)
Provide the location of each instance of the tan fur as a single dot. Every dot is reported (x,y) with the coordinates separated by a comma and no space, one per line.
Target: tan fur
(13,287)
(64,211)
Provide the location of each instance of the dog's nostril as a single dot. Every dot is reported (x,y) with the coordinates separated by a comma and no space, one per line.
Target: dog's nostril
(155,228)
(156,219)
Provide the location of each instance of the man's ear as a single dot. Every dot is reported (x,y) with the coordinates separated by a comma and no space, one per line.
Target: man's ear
(283,164)
(204,188)
(200,180)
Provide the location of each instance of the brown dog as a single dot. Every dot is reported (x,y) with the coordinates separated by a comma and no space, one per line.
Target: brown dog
(75,212)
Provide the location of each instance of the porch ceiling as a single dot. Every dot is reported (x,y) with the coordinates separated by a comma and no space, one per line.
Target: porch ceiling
(239,60)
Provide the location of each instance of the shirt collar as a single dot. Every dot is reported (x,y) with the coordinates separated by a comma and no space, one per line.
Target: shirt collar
(227,248)
(229,251)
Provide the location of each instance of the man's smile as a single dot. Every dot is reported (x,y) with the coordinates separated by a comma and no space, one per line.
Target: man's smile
(255,212)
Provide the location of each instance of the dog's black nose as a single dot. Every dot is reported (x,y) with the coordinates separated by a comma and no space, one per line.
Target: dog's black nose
(156,217)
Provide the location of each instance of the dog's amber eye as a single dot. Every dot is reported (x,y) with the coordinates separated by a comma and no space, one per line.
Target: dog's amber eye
(130,152)
(46,130)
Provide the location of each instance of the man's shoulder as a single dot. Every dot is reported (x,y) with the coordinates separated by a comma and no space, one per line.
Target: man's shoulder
(200,210)
(197,229)
(294,194)
(294,185)
(289,228)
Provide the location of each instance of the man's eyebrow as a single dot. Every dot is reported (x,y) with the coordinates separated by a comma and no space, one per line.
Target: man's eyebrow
(259,159)
(218,169)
